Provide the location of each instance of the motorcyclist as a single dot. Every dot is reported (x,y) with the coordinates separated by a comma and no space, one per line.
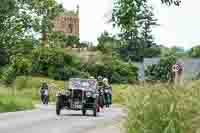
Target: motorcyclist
(46,95)
(43,91)
(107,92)
(101,99)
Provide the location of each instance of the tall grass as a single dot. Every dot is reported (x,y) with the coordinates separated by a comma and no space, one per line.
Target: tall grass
(162,108)
(119,92)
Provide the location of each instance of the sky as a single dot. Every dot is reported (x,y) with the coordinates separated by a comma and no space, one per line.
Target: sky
(178,25)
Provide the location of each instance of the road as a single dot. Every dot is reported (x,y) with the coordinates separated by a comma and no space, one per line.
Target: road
(44,120)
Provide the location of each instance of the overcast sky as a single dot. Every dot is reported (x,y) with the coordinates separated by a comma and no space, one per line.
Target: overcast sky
(178,25)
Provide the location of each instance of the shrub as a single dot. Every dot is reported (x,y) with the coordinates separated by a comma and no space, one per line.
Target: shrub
(21,64)
(116,70)
(66,73)
(123,72)
(55,63)
(8,75)
(152,52)
(3,57)
(162,70)
(195,52)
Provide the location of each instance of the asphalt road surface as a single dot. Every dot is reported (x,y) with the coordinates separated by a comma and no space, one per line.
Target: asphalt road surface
(44,120)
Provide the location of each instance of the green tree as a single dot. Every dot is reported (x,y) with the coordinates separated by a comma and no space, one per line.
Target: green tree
(135,19)
(3,57)
(71,40)
(15,21)
(170,2)
(195,52)
(57,40)
(105,42)
(161,71)
(47,10)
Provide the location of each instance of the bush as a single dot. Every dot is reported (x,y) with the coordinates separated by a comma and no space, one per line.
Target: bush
(21,64)
(115,70)
(66,73)
(123,72)
(8,75)
(163,109)
(195,52)
(152,52)
(55,63)
(162,70)
(3,57)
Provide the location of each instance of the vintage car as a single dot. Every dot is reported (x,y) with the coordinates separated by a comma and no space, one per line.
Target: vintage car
(79,95)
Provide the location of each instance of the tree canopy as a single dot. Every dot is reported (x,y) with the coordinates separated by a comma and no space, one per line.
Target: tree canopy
(135,19)
(170,2)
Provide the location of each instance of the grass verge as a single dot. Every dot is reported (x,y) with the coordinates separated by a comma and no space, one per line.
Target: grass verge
(162,108)
(25,93)
(12,103)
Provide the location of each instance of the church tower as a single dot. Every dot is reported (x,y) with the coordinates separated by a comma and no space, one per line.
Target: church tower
(68,23)
(77,10)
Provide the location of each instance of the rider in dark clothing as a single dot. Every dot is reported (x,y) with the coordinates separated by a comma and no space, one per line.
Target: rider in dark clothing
(107,92)
(101,99)
(43,93)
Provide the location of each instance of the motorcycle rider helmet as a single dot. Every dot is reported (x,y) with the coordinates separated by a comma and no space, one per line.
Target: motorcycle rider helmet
(91,77)
(100,78)
(105,80)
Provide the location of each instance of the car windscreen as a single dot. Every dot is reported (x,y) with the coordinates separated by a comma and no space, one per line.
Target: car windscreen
(86,84)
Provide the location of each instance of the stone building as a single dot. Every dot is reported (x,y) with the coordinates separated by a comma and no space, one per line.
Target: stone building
(68,23)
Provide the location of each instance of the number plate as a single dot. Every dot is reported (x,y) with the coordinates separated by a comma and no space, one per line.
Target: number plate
(77,105)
